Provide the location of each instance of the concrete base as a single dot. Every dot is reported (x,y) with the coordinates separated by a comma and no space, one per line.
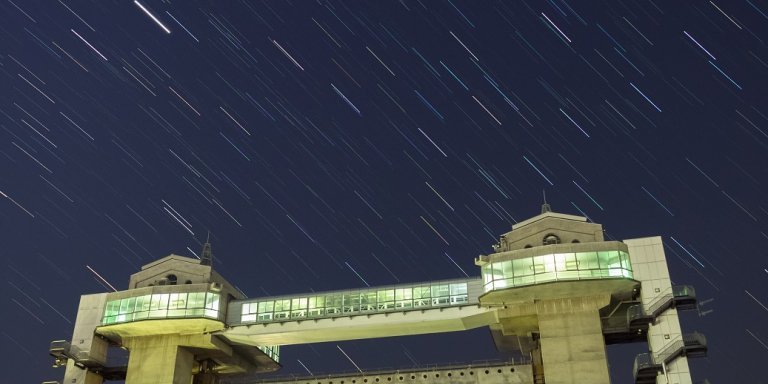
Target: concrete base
(158,360)
(166,359)
(572,348)
(572,344)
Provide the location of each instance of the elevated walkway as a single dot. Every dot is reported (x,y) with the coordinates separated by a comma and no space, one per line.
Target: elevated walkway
(647,367)
(398,310)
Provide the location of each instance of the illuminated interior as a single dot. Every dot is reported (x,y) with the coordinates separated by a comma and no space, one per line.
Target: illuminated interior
(162,306)
(398,298)
(556,267)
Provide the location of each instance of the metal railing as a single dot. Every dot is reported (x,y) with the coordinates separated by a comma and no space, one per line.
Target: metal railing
(661,303)
(694,342)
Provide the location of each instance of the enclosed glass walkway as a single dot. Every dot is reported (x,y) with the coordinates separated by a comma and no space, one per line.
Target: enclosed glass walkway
(364,301)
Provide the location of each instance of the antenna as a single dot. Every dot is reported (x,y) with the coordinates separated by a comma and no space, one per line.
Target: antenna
(206,256)
(545,207)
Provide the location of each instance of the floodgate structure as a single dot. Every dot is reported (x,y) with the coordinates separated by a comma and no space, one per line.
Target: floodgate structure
(554,291)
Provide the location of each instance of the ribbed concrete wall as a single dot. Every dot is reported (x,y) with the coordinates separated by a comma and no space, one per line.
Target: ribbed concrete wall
(491,374)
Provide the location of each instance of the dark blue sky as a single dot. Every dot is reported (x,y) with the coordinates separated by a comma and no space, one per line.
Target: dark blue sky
(312,138)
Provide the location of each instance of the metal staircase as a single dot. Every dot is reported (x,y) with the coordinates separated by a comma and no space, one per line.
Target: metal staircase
(647,367)
(629,320)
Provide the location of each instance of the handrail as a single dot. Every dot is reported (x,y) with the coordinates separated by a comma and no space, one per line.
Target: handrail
(660,303)
(674,349)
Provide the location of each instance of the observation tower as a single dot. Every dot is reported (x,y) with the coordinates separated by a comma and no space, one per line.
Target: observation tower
(553,293)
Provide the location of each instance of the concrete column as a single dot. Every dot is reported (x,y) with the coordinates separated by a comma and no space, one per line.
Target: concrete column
(571,339)
(158,360)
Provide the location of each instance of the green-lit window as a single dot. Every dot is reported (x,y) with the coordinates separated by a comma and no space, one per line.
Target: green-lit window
(333,303)
(195,300)
(316,306)
(566,266)
(544,268)
(124,306)
(523,271)
(496,270)
(421,296)
(177,301)
(113,307)
(282,305)
(212,301)
(317,302)
(266,306)
(587,260)
(625,261)
(142,303)
(140,315)
(440,290)
(299,307)
(421,292)
(403,294)
(458,289)
(368,301)
(487,272)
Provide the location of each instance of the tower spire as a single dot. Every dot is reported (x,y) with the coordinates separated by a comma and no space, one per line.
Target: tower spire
(206,256)
(545,207)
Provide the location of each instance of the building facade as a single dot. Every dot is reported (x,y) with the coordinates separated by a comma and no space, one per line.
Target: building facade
(554,292)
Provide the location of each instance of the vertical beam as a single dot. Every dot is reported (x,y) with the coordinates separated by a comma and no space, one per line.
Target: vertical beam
(649,265)
(88,346)
(572,343)
(158,360)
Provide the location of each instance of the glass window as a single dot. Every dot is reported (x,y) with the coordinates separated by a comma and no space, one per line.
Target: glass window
(178,301)
(266,306)
(112,308)
(317,302)
(333,303)
(440,290)
(196,300)
(544,268)
(141,315)
(282,305)
(142,303)
(523,269)
(498,274)
(458,289)
(625,261)
(403,294)
(176,312)
(421,292)
(368,301)
(124,307)
(506,269)
(212,301)
(587,260)
(487,272)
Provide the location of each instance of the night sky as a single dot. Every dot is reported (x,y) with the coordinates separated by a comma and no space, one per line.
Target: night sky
(333,144)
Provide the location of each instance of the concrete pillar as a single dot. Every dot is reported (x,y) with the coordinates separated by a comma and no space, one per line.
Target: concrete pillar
(571,339)
(158,360)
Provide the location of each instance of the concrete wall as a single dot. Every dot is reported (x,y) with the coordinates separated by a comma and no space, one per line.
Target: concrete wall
(566,227)
(649,266)
(89,314)
(496,374)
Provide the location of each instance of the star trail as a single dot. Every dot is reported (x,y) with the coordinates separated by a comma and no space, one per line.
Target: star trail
(330,145)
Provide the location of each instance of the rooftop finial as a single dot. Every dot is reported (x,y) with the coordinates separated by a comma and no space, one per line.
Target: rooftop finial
(206,256)
(545,207)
